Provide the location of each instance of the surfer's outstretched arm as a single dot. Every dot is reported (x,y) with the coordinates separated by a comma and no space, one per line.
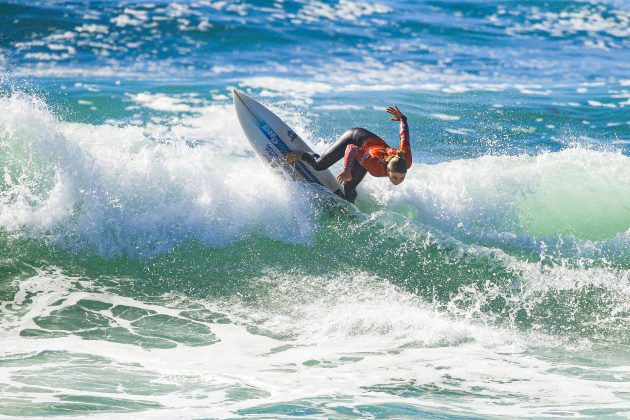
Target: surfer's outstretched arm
(405,144)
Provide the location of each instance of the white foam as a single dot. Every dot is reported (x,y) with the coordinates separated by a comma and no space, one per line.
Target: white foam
(601,104)
(46,56)
(161,102)
(138,71)
(344,10)
(552,195)
(370,75)
(224,69)
(445,117)
(295,87)
(58,47)
(521,129)
(583,18)
(126,189)
(353,336)
(91,28)
(455,89)
(358,311)
(459,131)
(129,19)
(339,107)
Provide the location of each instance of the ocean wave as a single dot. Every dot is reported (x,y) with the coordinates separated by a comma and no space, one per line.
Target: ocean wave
(163,36)
(126,190)
(374,341)
(572,201)
(193,176)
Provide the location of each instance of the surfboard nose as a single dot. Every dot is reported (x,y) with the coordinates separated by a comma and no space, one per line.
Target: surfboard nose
(245,104)
(241,100)
(237,94)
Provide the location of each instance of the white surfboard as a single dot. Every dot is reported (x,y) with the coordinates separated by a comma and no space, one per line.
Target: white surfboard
(272,139)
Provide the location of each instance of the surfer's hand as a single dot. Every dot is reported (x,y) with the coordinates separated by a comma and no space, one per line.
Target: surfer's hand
(395,112)
(293,157)
(344,177)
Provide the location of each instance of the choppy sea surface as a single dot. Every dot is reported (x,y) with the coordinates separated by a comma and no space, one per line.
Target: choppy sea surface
(152,266)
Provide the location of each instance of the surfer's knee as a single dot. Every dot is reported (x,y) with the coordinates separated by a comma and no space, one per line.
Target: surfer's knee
(314,160)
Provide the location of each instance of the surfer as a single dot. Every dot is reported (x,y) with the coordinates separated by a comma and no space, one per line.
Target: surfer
(363,151)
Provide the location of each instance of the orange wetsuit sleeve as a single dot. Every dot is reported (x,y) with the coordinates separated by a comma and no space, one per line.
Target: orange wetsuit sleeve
(405,144)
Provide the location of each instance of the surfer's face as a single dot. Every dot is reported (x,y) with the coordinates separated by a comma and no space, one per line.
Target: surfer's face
(396,177)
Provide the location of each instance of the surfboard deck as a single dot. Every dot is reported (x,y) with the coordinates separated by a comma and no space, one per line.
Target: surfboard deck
(271,138)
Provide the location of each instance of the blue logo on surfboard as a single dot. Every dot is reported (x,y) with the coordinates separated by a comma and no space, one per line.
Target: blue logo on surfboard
(275,139)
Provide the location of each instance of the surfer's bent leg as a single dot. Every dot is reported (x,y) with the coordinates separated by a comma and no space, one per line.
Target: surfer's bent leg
(350,189)
(334,152)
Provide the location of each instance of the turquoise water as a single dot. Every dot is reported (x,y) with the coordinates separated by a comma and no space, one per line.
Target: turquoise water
(152,266)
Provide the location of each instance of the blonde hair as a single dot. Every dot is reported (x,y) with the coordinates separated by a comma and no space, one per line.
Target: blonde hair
(397,163)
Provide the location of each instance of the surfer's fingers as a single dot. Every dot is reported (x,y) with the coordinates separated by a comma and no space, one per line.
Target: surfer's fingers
(343,178)
(395,112)
(292,157)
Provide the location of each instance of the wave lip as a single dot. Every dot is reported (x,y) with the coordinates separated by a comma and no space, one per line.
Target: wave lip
(576,195)
(122,190)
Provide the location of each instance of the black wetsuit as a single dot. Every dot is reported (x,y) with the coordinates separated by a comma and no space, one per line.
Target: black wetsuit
(336,152)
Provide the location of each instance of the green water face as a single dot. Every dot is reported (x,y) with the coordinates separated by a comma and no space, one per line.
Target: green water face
(577,202)
(489,286)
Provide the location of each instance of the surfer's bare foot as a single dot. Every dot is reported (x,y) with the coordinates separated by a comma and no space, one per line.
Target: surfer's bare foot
(293,157)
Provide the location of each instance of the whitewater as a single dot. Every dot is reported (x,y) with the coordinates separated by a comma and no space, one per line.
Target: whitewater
(152,266)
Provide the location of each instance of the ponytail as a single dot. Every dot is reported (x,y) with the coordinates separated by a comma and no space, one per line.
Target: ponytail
(397,163)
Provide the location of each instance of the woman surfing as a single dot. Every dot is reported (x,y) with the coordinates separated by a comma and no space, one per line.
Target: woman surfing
(363,151)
